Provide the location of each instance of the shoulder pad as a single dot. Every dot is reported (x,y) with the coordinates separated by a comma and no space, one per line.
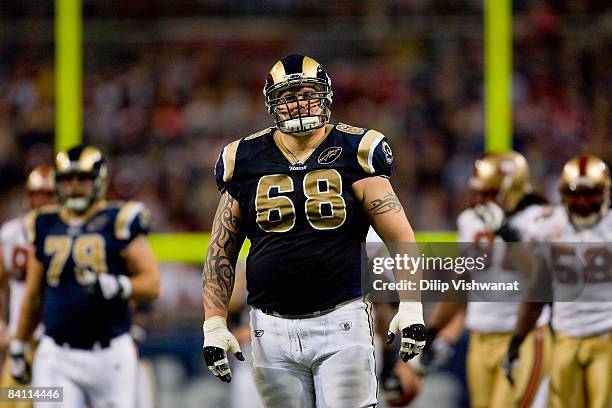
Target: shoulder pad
(226,164)
(353,130)
(228,158)
(260,133)
(29,222)
(365,151)
(7,227)
(126,215)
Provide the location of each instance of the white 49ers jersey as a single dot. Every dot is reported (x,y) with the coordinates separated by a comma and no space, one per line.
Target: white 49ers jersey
(581,260)
(14,254)
(493,317)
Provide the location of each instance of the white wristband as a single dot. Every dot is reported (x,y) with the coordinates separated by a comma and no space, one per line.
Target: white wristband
(213,323)
(126,286)
(412,309)
(17,347)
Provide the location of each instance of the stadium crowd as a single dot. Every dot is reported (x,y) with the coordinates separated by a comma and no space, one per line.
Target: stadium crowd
(162,104)
(162,110)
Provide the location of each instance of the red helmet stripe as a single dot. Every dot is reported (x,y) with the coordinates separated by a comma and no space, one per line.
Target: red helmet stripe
(582,164)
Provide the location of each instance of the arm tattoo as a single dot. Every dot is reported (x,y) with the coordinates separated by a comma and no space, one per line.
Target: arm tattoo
(219,268)
(388,203)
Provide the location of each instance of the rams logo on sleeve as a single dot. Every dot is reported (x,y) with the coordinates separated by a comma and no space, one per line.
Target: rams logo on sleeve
(387,151)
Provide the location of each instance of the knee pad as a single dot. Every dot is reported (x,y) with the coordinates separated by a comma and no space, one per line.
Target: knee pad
(347,379)
(283,388)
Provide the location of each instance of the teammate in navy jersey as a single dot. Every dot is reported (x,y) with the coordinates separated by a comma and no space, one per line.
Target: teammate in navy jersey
(305,193)
(89,258)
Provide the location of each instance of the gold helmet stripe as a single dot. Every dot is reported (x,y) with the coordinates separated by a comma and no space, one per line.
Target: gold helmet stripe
(62,162)
(309,67)
(229,160)
(368,143)
(124,218)
(278,72)
(89,157)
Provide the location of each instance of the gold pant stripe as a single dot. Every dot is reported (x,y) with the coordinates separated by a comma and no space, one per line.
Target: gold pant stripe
(487,382)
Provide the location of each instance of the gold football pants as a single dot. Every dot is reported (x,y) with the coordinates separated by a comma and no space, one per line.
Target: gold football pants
(488,385)
(581,372)
(8,381)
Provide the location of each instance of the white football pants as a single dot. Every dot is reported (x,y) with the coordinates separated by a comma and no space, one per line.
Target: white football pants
(100,378)
(325,361)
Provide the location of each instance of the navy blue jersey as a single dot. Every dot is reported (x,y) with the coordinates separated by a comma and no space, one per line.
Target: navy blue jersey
(303,220)
(71,250)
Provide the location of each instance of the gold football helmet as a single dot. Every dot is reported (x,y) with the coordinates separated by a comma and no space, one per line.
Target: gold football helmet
(585,189)
(503,176)
(41,179)
(40,187)
(297,71)
(83,162)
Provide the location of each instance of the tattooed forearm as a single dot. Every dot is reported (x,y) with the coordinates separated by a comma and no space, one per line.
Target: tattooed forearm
(219,268)
(388,203)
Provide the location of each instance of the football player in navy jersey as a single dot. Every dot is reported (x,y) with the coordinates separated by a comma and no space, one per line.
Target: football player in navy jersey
(89,258)
(40,191)
(305,193)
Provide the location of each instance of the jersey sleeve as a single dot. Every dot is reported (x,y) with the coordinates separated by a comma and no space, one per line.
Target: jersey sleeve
(3,235)
(133,219)
(468,226)
(225,170)
(374,155)
(32,228)
(533,222)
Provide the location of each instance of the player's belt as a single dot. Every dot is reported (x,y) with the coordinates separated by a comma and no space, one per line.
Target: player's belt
(83,344)
(317,313)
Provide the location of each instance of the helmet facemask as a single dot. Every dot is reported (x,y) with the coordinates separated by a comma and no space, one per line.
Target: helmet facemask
(586,206)
(87,165)
(80,204)
(311,113)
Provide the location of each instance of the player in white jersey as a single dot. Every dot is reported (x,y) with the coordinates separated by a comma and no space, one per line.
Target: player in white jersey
(579,256)
(502,192)
(14,249)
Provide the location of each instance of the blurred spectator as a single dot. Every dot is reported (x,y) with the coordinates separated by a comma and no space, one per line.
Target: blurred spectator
(162,110)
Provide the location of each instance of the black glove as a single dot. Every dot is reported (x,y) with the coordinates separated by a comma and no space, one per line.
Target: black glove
(512,356)
(216,360)
(413,341)
(20,368)
(409,322)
